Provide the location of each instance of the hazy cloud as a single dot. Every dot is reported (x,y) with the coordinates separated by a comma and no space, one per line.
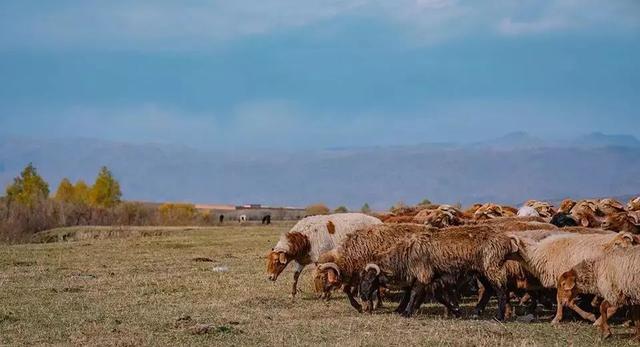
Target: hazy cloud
(170,25)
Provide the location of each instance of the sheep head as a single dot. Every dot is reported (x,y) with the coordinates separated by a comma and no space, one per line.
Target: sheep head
(331,271)
(566,286)
(371,280)
(277,261)
(623,240)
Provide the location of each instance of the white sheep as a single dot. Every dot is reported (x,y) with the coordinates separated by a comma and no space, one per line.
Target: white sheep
(528,211)
(311,237)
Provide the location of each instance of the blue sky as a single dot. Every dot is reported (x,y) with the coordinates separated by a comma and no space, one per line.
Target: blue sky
(315,74)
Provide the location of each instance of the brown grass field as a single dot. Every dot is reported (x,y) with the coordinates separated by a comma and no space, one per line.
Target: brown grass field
(143,286)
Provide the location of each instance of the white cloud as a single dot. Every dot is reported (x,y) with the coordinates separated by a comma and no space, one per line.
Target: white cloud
(170,25)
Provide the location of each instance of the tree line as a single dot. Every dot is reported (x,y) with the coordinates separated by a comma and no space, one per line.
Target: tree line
(29,207)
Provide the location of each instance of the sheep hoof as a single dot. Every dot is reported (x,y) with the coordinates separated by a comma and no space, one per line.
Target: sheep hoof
(555,321)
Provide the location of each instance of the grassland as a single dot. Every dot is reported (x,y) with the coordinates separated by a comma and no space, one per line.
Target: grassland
(147,287)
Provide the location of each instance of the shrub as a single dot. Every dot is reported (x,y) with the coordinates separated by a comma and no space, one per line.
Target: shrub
(317,209)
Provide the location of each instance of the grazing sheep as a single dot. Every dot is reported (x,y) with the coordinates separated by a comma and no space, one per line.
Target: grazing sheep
(266,219)
(528,211)
(634,204)
(342,266)
(562,219)
(552,256)
(488,211)
(442,217)
(422,257)
(621,221)
(544,209)
(610,206)
(243,218)
(311,237)
(614,277)
(587,214)
(566,205)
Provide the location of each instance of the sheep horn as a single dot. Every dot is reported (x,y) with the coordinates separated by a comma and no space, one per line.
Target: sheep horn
(374,267)
(332,266)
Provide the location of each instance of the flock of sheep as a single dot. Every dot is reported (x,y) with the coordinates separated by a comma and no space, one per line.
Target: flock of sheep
(583,252)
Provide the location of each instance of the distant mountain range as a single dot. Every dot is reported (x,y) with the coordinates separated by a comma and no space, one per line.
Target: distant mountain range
(509,169)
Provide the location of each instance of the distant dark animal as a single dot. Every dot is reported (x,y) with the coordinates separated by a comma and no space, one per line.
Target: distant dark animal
(562,220)
(221,218)
(266,219)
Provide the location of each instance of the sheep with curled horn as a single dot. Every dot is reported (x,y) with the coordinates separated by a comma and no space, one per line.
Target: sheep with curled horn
(310,237)
(543,208)
(420,259)
(587,214)
(342,267)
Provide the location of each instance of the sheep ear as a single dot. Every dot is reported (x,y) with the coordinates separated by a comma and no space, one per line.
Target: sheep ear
(515,244)
(584,222)
(630,238)
(569,282)
(283,258)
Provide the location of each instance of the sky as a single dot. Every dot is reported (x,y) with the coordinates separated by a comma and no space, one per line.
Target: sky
(308,74)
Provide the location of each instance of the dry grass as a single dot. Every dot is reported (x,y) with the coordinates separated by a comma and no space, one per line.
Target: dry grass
(151,290)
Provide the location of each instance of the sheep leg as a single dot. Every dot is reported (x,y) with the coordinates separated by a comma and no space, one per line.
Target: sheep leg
(532,305)
(502,302)
(635,316)
(417,294)
(404,301)
(559,310)
(296,276)
(347,290)
(611,310)
(379,302)
(585,315)
(445,300)
(604,324)
(484,298)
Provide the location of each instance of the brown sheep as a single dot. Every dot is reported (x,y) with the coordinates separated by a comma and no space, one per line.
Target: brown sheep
(621,221)
(634,204)
(566,205)
(342,266)
(610,206)
(398,219)
(442,217)
(544,209)
(422,257)
(587,214)
(488,211)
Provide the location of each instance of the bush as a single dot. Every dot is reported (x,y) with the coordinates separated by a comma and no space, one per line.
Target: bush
(317,209)
(177,214)
(341,209)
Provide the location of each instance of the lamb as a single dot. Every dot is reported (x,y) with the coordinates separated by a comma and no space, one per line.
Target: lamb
(424,257)
(342,266)
(552,256)
(311,237)
(621,221)
(613,276)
